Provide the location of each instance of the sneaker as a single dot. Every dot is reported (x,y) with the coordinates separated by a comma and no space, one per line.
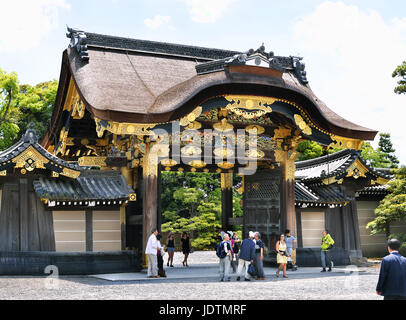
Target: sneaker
(238,278)
(324,270)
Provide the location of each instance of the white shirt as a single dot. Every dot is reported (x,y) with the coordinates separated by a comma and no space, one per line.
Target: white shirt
(152,245)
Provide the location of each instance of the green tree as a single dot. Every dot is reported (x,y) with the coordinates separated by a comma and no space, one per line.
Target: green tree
(22,104)
(35,106)
(374,157)
(400,71)
(309,150)
(386,147)
(393,206)
(8,94)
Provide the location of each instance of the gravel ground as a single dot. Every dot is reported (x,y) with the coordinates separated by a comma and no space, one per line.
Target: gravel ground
(310,286)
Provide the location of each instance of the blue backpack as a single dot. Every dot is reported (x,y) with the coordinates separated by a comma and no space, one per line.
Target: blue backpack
(220,252)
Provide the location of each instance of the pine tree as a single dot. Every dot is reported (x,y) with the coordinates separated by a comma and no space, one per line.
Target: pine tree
(386,147)
(400,72)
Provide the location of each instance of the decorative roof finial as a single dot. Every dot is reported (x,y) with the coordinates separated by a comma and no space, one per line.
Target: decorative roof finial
(78,40)
(30,135)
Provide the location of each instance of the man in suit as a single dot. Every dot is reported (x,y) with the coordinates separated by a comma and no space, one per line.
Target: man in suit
(392,276)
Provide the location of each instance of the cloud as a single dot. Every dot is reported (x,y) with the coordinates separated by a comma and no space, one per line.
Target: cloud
(157,21)
(351,54)
(24,23)
(207,11)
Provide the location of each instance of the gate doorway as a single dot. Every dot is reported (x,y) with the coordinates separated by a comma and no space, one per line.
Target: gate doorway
(262,208)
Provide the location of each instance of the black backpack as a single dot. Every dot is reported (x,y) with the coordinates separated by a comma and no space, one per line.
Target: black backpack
(220,252)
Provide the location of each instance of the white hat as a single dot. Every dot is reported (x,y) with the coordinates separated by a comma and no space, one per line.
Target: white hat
(251,234)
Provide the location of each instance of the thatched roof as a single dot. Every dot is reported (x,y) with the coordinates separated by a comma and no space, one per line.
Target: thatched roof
(131,80)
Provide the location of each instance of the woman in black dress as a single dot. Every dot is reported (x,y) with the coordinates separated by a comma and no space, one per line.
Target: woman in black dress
(170,246)
(185,247)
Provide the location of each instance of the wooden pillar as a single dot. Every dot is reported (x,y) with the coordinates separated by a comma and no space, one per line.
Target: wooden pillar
(24,217)
(128,175)
(89,230)
(150,196)
(226,199)
(288,212)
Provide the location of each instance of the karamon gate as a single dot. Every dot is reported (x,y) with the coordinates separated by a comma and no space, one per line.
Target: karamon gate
(142,107)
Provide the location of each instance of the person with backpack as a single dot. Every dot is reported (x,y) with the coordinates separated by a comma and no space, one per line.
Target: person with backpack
(225,255)
(327,243)
(246,256)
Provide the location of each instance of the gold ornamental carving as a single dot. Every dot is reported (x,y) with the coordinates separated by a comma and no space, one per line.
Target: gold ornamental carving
(123,128)
(223,126)
(191,117)
(197,164)
(226,181)
(92,161)
(30,159)
(225,165)
(168,162)
(302,125)
(223,153)
(191,150)
(249,107)
(255,153)
(255,129)
(346,143)
(70,173)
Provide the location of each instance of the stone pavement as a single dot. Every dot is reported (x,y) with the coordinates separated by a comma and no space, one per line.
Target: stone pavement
(200,281)
(204,264)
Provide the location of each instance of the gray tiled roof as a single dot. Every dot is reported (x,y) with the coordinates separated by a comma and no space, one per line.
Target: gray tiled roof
(30,139)
(90,185)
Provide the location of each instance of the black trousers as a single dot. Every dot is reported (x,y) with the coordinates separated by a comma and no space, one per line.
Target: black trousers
(394,298)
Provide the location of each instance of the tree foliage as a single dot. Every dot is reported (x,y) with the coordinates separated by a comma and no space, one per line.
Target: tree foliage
(309,150)
(192,202)
(393,206)
(22,104)
(385,146)
(400,72)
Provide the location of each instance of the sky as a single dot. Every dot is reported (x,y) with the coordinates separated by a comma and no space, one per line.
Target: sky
(350,48)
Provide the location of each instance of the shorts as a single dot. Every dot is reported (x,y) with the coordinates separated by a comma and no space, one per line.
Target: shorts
(170,249)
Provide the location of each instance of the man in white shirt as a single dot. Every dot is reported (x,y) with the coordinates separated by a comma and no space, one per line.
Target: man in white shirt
(151,252)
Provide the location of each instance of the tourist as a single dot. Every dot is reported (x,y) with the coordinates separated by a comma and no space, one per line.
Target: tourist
(246,256)
(282,255)
(290,244)
(259,256)
(151,252)
(392,276)
(185,248)
(170,247)
(327,243)
(236,249)
(160,254)
(225,255)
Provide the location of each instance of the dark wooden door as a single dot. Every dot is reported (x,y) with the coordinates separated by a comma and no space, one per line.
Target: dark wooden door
(262,208)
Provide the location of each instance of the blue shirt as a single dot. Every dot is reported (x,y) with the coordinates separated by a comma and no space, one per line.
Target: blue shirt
(247,250)
(289,241)
(258,245)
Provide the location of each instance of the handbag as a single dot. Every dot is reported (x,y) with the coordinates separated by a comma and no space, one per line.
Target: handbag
(251,270)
